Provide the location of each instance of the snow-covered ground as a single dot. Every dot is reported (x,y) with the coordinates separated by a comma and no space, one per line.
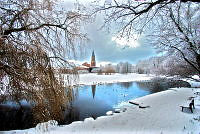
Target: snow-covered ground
(93,78)
(193,83)
(163,114)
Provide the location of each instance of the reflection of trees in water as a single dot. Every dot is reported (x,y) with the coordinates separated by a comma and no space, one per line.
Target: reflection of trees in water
(157,85)
(16,111)
(15,117)
(20,116)
(75,92)
(126,84)
(109,84)
(38,110)
(153,87)
(72,114)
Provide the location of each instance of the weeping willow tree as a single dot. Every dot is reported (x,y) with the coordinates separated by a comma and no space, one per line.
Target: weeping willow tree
(35,38)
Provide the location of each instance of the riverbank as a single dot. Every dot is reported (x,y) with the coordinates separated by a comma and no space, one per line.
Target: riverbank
(93,78)
(162,116)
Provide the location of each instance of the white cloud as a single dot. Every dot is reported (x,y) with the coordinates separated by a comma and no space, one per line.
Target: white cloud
(123,42)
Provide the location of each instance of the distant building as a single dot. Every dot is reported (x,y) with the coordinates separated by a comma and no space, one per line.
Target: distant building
(86,64)
(93,61)
(91,68)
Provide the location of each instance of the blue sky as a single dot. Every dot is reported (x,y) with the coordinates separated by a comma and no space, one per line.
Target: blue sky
(110,49)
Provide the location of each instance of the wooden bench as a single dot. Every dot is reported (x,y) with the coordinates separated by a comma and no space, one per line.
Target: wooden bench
(189,105)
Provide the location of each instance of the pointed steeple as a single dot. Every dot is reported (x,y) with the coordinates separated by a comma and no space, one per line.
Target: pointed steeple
(93,61)
(93,53)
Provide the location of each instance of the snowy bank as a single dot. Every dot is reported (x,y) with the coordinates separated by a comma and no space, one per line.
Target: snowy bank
(163,115)
(192,82)
(93,78)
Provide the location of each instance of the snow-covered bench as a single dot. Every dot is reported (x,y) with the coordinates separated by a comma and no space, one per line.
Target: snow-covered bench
(197,93)
(188,105)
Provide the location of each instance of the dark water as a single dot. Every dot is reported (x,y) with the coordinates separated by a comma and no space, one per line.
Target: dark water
(13,116)
(90,101)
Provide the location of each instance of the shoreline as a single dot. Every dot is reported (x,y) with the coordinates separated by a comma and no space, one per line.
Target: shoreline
(95,79)
(163,115)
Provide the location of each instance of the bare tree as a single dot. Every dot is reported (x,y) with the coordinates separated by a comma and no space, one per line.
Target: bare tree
(178,33)
(109,69)
(174,24)
(36,36)
(166,65)
(132,15)
(173,66)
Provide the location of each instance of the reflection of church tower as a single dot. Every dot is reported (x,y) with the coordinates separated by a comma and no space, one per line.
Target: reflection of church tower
(93,62)
(93,90)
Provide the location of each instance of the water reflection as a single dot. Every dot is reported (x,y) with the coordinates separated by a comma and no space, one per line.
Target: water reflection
(96,100)
(152,87)
(126,84)
(110,84)
(93,87)
(15,117)
(157,85)
(88,104)
(72,114)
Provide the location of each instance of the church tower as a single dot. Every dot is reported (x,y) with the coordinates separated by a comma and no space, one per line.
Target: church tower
(93,62)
